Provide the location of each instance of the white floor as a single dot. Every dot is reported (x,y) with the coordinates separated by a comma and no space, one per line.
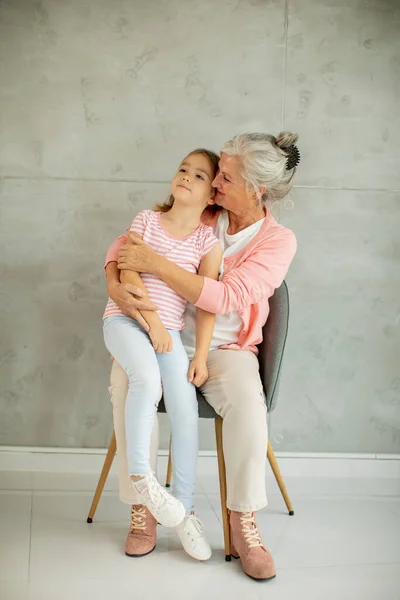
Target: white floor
(343,543)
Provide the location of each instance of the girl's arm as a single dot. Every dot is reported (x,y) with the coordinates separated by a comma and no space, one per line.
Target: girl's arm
(126,296)
(113,251)
(160,338)
(125,287)
(198,373)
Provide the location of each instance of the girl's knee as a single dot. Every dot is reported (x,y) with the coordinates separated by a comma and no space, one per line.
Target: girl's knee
(184,418)
(145,383)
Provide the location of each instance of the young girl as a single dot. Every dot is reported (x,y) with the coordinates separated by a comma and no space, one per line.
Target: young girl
(158,358)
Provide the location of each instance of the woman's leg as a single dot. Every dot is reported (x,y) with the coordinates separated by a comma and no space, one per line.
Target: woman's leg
(142,536)
(131,347)
(182,408)
(235,392)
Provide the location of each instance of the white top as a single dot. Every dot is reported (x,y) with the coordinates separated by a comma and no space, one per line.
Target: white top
(227,327)
(186,252)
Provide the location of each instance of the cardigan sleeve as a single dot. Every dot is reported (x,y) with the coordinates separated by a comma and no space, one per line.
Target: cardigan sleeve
(256,278)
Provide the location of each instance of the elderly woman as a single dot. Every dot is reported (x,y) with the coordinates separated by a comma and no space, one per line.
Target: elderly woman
(255,169)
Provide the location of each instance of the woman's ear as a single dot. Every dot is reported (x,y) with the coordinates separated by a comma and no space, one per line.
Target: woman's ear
(261,191)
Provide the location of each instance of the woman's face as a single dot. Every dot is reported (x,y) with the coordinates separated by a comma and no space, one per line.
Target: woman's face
(232,192)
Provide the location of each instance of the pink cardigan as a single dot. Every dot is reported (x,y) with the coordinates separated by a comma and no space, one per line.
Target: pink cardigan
(250,278)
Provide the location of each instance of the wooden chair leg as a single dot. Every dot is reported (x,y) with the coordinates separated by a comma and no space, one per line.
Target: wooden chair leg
(278,477)
(169,469)
(222,489)
(103,477)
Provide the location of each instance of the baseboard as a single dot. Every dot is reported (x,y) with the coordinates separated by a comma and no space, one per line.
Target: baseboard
(324,465)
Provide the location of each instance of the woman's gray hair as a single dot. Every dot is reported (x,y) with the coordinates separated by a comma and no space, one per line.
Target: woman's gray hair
(264,159)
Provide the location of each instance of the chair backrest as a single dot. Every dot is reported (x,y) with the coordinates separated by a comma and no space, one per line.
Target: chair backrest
(270,353)
(272,347)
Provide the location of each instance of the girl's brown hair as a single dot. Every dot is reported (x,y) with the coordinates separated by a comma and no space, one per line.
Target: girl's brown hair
(213,159)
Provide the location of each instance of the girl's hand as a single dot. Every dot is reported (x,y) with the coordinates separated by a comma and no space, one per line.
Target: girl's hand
(160,338)
(198,372)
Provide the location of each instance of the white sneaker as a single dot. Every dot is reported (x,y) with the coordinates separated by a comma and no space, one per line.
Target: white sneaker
(194,542)
(165,508)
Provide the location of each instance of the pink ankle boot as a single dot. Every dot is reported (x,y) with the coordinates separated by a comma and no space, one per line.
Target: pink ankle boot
(247,545)
(141,538)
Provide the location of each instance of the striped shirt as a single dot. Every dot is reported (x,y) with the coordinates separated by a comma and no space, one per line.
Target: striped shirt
(186,252)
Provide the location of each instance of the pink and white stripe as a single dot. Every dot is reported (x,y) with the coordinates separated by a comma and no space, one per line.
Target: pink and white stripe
(186,252)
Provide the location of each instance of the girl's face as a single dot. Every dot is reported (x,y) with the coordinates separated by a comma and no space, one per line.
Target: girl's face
(192,182)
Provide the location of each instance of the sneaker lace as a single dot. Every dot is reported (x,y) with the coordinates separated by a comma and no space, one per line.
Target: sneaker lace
(138,517)
(250,530)
(195,523)
(155,493)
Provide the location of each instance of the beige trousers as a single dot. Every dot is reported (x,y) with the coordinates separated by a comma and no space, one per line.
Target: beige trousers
(235,392)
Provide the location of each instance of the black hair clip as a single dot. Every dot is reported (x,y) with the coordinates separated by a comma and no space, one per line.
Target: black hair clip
(293,157)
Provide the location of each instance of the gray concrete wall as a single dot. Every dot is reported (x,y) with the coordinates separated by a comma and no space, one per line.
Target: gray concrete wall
(99,100)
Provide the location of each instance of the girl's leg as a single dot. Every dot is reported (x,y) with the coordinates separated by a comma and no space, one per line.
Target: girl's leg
(181,403)
(118,389)
(131,347)
(182,408)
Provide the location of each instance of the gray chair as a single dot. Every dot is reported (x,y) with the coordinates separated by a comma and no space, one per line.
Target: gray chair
(270,359)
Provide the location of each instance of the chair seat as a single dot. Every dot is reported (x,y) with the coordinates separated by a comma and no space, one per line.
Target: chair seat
(205,410)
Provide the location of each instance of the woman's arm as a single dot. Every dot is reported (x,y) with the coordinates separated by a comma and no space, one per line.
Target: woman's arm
(198,373)
(257,277)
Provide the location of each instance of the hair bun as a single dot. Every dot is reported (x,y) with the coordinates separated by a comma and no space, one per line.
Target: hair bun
(287,141)
(286,138)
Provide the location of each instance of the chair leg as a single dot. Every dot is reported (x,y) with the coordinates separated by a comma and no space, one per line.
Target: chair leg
(278,477)
(169,469)
(103,477)
(222,489)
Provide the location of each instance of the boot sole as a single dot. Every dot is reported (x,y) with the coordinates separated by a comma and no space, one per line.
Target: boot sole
(255,578)
(139,555)
(262,579)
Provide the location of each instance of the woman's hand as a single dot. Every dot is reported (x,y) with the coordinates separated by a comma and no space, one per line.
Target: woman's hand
(138,256)
(198,372)
(126,297)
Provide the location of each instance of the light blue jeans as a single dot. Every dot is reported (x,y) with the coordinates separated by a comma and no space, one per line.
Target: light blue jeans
(147,371)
